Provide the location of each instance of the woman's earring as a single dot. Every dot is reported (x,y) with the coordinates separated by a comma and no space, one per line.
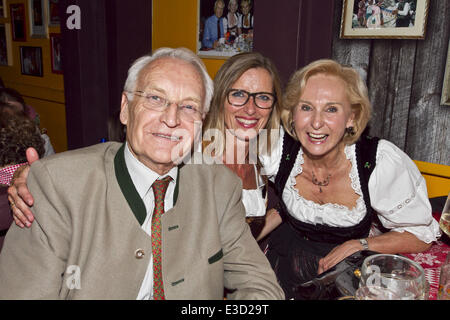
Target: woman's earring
(350,131)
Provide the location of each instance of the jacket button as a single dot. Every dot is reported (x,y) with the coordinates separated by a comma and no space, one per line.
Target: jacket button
(139,254)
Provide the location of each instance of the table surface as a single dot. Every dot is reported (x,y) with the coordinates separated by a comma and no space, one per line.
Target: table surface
(431,261)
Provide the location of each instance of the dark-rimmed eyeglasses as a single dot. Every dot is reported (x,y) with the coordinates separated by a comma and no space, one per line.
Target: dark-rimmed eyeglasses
(263,100)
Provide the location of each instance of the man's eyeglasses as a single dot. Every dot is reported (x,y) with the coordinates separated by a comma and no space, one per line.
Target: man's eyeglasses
(263,100)
(188,110)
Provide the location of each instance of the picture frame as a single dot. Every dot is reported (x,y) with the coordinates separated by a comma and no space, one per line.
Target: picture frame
(53,13)
(55,52)
(31,61)
(38,23)
(445,97)
(3,11)
(236,28)
(394,19)
(17,11)
(5,45)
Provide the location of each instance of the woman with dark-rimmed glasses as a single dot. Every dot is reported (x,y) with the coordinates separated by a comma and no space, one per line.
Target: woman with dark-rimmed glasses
(246,103)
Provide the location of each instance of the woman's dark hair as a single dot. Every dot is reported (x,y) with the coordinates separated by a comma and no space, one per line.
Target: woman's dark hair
(17,133)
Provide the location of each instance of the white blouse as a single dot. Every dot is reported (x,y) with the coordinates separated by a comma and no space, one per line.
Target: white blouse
(254,203)
(397,190)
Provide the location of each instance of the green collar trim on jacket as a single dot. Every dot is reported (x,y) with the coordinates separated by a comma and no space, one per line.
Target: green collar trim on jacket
(129,190)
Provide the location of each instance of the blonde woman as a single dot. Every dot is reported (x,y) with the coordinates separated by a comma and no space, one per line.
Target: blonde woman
(232,20)
(247,99)
(342,191)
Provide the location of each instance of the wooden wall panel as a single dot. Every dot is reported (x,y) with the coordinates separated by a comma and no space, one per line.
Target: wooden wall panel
(428,127)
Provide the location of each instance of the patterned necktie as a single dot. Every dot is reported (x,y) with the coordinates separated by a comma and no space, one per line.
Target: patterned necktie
(159,191)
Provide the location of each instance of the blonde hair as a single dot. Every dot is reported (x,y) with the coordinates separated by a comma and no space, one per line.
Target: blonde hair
(357,94)
(217,2)
(227,75)
(249,2)
(232,1)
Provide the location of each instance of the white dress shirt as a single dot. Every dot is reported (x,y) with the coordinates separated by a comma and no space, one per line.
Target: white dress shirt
(143,178)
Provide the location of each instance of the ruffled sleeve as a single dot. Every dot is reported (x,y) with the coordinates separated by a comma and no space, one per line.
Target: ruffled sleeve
(398,193)
(270,163)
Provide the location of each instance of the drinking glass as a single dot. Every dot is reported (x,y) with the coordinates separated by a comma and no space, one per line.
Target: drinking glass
(401,276)
(444,221)
(375,293)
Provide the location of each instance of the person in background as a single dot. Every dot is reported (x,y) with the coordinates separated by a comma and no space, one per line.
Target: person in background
(341,191)
(246,17)
(404,13)
(362,6)
(17,133)
(15,99)
(232,20)
(247,99)
(214,27)
(129,217)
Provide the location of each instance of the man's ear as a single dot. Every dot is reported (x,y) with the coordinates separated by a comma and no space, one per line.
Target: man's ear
(124,109)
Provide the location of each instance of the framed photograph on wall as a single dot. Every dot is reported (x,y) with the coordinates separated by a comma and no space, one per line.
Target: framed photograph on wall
(3,11)
(38,25)
(53,13)
(31,61)
(5,45)
(225,28)
(18,21)
(55,49)
(445,97)
(400,19)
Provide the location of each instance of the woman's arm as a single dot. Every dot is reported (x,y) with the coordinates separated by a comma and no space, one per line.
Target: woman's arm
(391,242)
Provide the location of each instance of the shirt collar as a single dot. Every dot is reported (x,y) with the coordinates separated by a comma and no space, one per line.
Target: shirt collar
(142,176)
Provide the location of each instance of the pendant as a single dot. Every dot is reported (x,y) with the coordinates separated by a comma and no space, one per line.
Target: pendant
(318,183)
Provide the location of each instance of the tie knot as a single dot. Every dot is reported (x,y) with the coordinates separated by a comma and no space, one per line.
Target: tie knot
(160,187)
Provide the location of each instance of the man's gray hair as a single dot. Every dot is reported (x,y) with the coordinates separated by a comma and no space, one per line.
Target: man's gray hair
(177,53)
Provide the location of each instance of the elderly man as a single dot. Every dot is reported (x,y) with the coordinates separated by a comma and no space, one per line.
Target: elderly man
(214,28)
(99,229)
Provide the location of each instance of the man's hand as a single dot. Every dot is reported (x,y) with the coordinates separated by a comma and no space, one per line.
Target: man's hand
(19,196)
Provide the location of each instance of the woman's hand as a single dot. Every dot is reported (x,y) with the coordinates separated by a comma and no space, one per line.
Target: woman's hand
(19,196)
(338,254)
(273,220)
